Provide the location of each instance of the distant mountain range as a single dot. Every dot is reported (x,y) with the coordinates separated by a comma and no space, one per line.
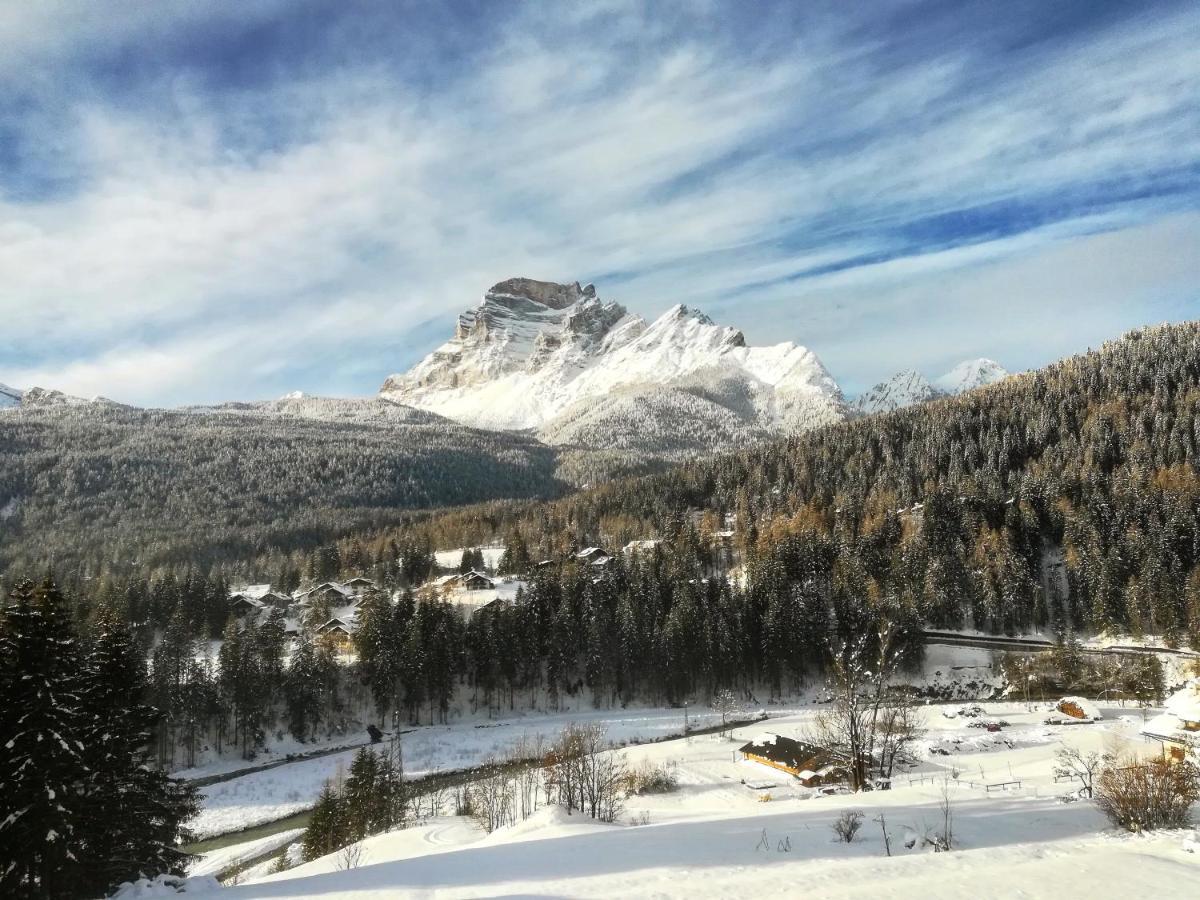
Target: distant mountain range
(607,391)
(910,386)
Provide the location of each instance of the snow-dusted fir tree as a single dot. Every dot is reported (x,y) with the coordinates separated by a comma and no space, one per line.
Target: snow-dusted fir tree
(42,769)
(118,729)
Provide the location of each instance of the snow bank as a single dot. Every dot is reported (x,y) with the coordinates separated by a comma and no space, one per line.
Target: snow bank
(166,886)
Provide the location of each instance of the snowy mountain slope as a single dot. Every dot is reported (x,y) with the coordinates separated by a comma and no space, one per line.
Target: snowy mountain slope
(9,397)
(668,422)
(298,405)
(902,389)
(970,374)
(534,351)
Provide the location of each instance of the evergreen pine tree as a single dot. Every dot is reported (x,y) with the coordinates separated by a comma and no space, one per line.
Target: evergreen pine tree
(144,839)
(326,831)
(43,774)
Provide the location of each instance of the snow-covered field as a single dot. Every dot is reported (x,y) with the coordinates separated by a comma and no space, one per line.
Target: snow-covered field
(260,797)
(451,559)
(715,837)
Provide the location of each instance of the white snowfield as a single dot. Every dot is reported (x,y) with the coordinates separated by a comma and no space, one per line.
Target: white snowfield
(450,559)
(714,837)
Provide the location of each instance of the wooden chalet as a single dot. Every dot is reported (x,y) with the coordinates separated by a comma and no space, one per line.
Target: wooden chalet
(476,581)
(241,606)
(335,593)
(810,764)
(338,632)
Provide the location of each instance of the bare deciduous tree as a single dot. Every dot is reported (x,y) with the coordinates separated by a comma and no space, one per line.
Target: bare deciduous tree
(869,727)
(350,856)
(585,774)
(725,704)
(1071,762)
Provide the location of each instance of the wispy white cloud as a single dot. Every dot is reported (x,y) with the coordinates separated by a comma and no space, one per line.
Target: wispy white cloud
(344,207)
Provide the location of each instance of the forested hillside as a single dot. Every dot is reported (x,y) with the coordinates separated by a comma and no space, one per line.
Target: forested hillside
(95,487)
(961,509)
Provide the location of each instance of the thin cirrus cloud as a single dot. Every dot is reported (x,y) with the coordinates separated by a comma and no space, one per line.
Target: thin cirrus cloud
(199,203)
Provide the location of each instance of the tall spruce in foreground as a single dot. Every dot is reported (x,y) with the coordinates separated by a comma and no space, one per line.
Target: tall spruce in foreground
(326,831)
(42,767)
(80,809)
(118,733)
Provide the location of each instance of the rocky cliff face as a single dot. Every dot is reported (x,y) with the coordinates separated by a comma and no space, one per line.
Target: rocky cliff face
(534,352)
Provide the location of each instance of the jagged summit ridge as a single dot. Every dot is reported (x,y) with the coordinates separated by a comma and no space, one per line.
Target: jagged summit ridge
(532,350)
(970,374)
(909,386)
(902,389)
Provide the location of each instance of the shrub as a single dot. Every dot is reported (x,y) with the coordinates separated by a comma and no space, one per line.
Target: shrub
(649,778)
(1141,796)
(847,825)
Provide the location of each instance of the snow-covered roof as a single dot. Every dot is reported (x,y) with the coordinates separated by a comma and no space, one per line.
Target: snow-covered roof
(336,622)
(1170,726)
(1185,703)
(252,591)
(640,546)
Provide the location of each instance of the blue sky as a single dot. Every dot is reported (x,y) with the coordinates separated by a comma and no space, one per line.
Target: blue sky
(206,200)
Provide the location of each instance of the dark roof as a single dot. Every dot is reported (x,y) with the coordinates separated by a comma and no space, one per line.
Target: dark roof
(789,752)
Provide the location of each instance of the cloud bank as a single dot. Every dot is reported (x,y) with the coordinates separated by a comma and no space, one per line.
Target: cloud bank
(202,201)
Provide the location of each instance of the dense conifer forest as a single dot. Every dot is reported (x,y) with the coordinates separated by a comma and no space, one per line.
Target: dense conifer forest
(95,487)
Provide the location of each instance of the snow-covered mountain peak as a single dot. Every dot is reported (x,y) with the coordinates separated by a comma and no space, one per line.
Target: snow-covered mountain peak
(37,397)
(970,374)
(532,349)
(902,389)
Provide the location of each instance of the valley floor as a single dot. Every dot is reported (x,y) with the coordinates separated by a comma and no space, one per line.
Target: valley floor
(272,794)
(717,837)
